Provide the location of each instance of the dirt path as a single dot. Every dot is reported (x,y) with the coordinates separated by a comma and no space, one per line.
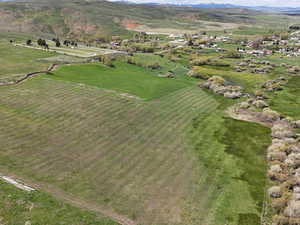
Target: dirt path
(75,201)
(51,68)
(248,116)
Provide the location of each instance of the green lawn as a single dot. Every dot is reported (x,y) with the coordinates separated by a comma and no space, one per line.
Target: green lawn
(17,207)
(287,101)
(109,150)
(179,153)
(19,61)
(123,77)
(234,171)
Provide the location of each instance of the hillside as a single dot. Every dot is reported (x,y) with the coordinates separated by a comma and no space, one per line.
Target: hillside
(100,19)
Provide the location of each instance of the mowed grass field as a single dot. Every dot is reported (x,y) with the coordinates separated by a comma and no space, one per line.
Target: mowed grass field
(287,101)
(18,207)
(129,155)
(171,160)
(19,61)
(123,77)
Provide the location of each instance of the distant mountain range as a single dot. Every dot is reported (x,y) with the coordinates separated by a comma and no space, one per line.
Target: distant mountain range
(286,10)
(270,9)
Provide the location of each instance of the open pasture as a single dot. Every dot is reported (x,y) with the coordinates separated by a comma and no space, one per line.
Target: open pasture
(287,101)
(129,155)
(18,207)
(158,162)
(123,77)
(19,61)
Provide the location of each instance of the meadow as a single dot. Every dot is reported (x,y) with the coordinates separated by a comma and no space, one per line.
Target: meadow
(17,61)
(171,160)
(122,77)
(287,101)
(19,207)
(155,150)
(125,154)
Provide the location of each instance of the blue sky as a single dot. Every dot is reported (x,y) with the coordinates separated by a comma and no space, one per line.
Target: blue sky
(278,3)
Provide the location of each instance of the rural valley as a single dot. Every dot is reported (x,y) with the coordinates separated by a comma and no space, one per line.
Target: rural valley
(117,113)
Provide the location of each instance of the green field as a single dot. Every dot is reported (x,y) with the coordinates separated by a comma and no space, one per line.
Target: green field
(18,207)
(124,154)
(123,77)
(19,61)
(104,142)
(236,172)
(172,160)
(287,101)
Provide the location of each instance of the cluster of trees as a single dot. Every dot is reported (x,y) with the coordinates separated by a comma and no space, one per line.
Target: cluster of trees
(57,42)
(146,48)
(196,60)
(233,54)
(281,36)
(72,43)
(147,65)
(144,37)
(107,60)
(42,43)
(294,27)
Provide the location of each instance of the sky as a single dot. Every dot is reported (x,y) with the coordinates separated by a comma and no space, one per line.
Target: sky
(273,3)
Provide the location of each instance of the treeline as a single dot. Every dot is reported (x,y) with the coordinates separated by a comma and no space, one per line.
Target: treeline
(43,43)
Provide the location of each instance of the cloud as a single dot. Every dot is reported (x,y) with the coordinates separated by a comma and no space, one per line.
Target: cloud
(274,3)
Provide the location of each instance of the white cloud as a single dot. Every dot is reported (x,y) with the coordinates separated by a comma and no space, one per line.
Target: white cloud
(274,3)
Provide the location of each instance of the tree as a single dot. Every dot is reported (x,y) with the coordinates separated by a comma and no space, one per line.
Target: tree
(107,60)
(190,42)
(28,42)
(233,54)
(284,36)
(39,41)
(57,44)
(256,44)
